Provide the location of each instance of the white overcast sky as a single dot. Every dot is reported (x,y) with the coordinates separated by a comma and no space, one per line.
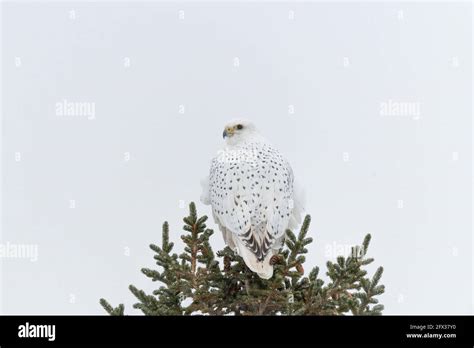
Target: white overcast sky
(404,178)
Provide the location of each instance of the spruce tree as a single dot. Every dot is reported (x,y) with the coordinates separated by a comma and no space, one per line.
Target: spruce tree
(199,281)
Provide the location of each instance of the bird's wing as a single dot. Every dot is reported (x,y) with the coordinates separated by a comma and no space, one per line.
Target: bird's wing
(253,203)
(227,196)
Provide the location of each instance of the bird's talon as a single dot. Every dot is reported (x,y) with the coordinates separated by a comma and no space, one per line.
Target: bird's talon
(275,259)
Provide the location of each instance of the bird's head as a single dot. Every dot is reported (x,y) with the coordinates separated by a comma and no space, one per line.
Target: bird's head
(237,131)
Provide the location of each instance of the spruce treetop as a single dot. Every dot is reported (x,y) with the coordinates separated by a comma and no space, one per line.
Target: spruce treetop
(199,281)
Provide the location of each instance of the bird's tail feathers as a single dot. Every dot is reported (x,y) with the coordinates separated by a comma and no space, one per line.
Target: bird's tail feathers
(263,268)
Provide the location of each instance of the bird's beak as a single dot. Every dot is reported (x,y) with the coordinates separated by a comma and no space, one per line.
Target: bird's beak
(228,132)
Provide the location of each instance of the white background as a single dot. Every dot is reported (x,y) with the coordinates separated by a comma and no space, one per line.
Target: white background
(333,63)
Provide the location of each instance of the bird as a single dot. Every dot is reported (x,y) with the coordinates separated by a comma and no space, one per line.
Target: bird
(253,196)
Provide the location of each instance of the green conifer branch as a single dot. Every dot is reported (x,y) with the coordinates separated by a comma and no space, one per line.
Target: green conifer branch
(229,287)
(117,311)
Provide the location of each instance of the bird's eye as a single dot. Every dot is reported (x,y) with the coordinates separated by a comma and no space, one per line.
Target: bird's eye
(239,126)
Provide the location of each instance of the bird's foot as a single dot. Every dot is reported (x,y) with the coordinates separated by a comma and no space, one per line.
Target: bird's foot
(276,259)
